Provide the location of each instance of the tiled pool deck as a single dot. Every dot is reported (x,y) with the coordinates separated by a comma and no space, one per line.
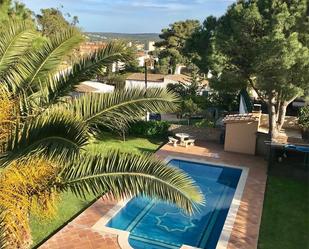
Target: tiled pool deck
(80,234)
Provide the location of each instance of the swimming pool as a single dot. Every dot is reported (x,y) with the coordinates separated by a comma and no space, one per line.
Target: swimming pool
(153,224)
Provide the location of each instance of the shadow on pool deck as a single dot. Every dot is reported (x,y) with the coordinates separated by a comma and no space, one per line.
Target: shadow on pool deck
(79,233)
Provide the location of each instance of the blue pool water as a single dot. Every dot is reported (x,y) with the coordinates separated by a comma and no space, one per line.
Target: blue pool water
(157,225)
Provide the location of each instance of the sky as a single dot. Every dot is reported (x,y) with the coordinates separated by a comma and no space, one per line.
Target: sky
(132,16)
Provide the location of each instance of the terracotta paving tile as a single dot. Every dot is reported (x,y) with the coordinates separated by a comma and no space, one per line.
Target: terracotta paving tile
(79,234)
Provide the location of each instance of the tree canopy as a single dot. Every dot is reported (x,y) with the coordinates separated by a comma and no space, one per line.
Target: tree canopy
(52,21)
(263,45)
(198,46)
(173,41)
(16,10)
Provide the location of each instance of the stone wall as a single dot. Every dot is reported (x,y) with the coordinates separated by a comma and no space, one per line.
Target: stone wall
(205,134)
(261,148)
(290,122)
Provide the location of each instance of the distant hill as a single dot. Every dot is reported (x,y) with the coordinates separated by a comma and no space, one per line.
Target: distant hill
(140,37)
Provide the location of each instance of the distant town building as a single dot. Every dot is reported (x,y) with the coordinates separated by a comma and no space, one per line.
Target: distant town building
(118,66)
(179,68)
(141,57)
(89,47)
(140,47)
(150,46)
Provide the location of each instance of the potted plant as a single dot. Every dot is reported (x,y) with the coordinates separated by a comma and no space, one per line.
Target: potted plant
(303,121)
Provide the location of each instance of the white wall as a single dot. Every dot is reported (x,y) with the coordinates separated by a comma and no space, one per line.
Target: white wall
(141,60)
(179,68)
(118,66)
(101,87)
(150,46)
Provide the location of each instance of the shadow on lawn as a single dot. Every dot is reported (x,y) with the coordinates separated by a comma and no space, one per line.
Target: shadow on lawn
(146,150)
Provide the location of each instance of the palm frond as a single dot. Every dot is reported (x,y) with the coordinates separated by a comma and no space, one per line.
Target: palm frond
(48,58)
(54,133)
(15,39)
(64,82)
(126,175)
(3,230)
(35,66)
(122,106)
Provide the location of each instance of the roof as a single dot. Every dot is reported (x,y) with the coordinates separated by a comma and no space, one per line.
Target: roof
(185,79)
(84,88)
(140,53)
(169,78)
(150,77)
(179,78)
(93,86)
(237,118)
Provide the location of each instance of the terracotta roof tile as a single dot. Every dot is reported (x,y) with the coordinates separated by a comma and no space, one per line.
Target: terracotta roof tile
(150,77)
(82,88)
(179,77)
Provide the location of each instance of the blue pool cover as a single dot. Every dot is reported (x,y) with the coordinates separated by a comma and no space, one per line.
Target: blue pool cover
(157,225)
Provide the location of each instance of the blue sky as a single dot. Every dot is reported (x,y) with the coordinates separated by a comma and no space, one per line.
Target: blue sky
(132,16)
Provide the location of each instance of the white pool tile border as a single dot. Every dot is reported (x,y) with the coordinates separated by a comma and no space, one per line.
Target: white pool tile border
(123,236)
(100,225)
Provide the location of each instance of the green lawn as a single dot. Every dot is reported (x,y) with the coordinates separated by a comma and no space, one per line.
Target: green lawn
(133,145)
(70,205)
(285,220)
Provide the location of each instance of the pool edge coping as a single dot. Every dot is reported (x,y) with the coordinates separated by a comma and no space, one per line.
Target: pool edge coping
(123,236)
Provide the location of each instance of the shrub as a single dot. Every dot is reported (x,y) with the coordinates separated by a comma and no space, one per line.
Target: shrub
(150,128)
(205,123)
(304,117)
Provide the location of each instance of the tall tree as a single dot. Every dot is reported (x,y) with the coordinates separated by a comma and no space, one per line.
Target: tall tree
(198,46)
(173,41)
(44,152)
(263,44)
(51,21)
(14,10)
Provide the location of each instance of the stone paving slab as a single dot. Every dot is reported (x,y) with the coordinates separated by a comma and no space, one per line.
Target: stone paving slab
(79,234)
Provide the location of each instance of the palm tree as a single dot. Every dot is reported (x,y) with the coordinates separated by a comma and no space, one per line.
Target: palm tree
(44,150)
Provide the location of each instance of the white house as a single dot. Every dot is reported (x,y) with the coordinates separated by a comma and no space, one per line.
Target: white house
(118,66)
(150,46)
(137,80)
(99,87)
(91,87)
(141,57)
